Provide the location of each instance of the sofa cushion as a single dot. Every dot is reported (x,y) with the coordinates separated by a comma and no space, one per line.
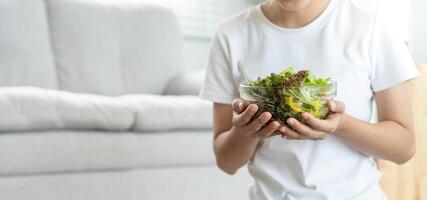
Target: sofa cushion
(27,108)
(159,113)
(60,151)
(25,49)
(113,48)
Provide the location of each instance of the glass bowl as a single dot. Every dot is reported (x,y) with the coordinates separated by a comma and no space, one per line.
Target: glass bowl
(284,103)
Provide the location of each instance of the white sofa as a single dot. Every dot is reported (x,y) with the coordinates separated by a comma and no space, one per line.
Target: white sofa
(87,108)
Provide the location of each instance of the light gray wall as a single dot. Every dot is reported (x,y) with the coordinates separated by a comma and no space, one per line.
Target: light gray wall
(418,31)
(195,50)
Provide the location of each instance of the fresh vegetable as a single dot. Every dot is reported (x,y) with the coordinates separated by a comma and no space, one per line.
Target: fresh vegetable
(289,94)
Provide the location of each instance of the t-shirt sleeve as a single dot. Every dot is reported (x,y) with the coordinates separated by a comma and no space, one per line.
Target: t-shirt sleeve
(392,62)
(219,85)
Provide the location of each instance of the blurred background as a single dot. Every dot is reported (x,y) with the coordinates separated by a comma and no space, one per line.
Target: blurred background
(98,100)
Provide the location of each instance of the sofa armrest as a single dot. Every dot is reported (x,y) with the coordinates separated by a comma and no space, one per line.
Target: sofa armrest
(186,84)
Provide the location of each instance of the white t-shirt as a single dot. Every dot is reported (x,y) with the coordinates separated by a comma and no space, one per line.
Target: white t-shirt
(353,42)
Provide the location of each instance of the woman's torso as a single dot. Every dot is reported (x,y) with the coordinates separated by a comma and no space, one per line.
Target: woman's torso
(336,45)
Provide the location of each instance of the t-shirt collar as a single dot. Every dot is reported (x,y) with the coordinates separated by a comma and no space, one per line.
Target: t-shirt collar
(319,21)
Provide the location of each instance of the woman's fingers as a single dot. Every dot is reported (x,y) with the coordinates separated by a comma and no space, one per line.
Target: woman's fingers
(268,130)
(336,106)
(328,125)
(305,130)
(316,129)
(256,124)
(290,134)
(246,116)
(276,132)
(239,105)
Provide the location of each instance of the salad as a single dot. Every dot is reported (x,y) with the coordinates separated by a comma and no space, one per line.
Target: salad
(289,94)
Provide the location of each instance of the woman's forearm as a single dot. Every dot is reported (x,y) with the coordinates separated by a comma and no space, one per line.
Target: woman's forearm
(233,150)
(387,140)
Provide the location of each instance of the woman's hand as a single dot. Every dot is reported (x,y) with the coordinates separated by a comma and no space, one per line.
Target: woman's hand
(243,122)
(237,135)
(316,129)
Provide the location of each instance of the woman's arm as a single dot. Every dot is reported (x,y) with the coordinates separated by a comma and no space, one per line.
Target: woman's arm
(236,136)
(392,138)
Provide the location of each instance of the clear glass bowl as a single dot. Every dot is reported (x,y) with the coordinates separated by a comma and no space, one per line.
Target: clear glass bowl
(285,103)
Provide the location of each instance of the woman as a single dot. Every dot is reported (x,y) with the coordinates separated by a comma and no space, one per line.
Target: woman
(348,40)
